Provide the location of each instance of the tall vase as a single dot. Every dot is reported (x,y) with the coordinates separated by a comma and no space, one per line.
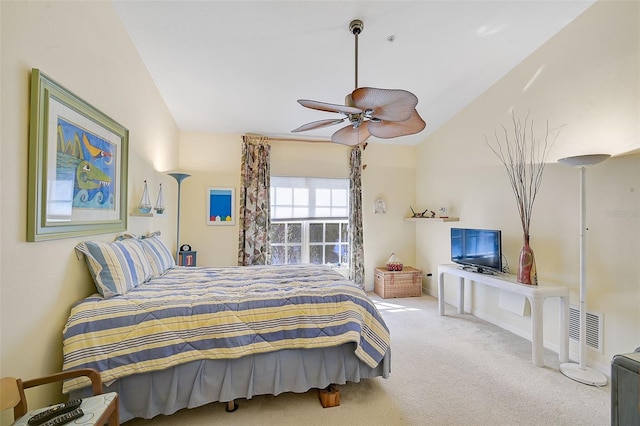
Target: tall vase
(527,273)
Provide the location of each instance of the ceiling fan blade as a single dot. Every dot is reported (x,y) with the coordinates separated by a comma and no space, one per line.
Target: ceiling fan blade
(318,124)
(324,106)
(392,129)
(387,104)
(350,136)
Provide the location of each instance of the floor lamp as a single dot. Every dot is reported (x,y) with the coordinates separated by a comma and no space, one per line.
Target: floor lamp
(580,372)
(178,177)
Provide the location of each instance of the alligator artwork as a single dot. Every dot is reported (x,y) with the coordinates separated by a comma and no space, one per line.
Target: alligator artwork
(89,164)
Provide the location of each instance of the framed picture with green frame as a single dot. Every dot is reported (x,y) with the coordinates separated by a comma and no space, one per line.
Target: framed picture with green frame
(78,159)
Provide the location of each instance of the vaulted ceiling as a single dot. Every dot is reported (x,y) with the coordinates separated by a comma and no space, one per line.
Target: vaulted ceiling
(240,66)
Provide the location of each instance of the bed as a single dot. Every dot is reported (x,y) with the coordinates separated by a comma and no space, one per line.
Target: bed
(189,336)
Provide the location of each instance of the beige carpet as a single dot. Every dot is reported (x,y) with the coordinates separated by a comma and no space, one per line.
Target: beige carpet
(451,370)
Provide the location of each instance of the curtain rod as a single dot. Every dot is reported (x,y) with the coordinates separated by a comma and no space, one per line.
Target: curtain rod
(282,139)
(299,140)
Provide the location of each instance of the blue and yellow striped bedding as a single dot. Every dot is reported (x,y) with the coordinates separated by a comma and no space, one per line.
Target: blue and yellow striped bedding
(215,313)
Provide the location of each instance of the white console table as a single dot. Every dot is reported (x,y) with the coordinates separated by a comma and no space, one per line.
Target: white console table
(535,294)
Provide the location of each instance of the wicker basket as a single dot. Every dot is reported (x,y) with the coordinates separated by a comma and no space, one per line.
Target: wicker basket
(405,283)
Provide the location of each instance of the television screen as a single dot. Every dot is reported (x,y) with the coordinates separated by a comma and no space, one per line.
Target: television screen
(477,248)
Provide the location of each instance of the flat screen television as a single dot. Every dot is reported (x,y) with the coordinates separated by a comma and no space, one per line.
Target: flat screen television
(478,249)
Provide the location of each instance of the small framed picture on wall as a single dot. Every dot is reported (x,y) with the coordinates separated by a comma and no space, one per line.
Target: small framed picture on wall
(221,204)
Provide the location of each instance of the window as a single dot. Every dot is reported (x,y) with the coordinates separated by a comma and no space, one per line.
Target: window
(309,221)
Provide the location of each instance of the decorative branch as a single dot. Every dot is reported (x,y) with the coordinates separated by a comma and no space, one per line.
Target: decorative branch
(524,159)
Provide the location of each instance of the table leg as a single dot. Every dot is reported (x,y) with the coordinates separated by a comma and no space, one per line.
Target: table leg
(564,329)
(114,419)
(441,293)
(537,347)
(460,295)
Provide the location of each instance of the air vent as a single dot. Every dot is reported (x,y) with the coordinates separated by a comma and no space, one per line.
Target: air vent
(594,328)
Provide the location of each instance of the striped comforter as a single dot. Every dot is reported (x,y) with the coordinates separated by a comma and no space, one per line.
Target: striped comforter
(215,313)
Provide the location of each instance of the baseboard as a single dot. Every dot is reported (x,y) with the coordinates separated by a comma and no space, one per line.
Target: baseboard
(425,290)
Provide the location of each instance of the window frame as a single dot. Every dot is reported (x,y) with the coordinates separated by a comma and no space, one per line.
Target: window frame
(307,221)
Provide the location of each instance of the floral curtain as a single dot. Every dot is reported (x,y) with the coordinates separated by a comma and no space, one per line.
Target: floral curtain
(253,245)
(356,245)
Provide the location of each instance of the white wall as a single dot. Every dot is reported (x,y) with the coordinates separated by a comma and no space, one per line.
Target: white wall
(587,78)
(214,160)
(83,46)
(390,175)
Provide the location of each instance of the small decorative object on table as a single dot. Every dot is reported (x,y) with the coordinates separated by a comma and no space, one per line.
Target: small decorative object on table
(394,264)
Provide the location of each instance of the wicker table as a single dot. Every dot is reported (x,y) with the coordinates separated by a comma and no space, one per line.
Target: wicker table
(405,283)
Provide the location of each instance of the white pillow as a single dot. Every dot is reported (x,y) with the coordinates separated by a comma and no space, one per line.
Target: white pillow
(116,267)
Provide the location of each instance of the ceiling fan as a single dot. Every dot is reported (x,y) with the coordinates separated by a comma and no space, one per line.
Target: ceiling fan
(383,113)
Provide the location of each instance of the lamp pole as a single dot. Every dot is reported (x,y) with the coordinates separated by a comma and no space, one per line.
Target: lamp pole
(580,372)
(179,177)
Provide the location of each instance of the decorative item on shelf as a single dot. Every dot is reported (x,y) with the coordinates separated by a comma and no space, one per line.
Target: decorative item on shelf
(179,177)
(425,214)
(581,372)
(524,158)
(394,263)
(145,204)
(159,208)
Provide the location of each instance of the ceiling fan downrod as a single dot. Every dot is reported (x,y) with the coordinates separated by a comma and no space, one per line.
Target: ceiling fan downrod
(356,26)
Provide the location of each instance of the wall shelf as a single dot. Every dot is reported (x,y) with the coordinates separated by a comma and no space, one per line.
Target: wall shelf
(141,214)
(432,219)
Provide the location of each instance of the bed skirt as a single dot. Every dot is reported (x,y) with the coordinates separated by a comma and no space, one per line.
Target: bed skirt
(197,383)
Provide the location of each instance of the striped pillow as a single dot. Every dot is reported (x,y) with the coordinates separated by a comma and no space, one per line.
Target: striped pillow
(158,253)
(116,267)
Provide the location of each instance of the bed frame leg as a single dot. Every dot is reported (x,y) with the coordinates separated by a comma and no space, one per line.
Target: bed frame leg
(231,406)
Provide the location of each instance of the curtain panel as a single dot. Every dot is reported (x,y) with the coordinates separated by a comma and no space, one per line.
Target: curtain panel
(356,240)
(254,216)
